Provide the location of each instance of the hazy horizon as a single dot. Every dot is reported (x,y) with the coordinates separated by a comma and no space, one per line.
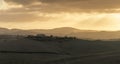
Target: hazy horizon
(58,28)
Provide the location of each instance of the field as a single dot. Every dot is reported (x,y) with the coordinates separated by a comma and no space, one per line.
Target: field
(20,50)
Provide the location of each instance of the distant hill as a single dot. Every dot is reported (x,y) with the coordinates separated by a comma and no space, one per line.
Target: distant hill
(65,31)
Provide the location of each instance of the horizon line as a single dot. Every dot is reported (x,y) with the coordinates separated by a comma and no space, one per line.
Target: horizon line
(57,28)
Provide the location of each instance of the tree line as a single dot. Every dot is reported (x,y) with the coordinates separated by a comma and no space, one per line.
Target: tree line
(43,37)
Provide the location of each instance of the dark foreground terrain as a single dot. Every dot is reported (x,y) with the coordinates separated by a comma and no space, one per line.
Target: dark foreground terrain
(21,50)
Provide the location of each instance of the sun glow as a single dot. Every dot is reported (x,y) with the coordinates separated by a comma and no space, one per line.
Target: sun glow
(87,21)
(115,18)
(3,5)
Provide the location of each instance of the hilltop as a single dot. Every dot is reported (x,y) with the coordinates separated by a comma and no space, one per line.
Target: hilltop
(65,31)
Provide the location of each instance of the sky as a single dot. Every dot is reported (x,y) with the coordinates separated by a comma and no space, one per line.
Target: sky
(48,14)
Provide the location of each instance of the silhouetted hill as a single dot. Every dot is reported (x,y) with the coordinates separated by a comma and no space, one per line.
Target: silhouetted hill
(5,31)
(62,30)
(65,31)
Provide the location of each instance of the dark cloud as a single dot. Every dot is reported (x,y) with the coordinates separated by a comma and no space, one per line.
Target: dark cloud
(24,2)
(70,5)
(61,1)
(83,5)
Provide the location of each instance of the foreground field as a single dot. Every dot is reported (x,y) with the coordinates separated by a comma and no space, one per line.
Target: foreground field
(27,51)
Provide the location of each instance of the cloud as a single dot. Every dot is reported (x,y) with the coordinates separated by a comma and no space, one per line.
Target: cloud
(83,5)
(32,16)
(70,5)
(23,2)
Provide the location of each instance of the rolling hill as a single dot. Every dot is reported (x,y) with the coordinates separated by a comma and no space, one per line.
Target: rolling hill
(65,31)
(20,50)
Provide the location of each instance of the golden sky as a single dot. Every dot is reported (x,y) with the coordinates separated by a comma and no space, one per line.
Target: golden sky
(48,14)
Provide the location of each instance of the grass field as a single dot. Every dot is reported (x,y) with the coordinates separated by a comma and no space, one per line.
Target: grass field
(27,51)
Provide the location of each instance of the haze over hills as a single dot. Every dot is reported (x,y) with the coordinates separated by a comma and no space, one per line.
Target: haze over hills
(64,31)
